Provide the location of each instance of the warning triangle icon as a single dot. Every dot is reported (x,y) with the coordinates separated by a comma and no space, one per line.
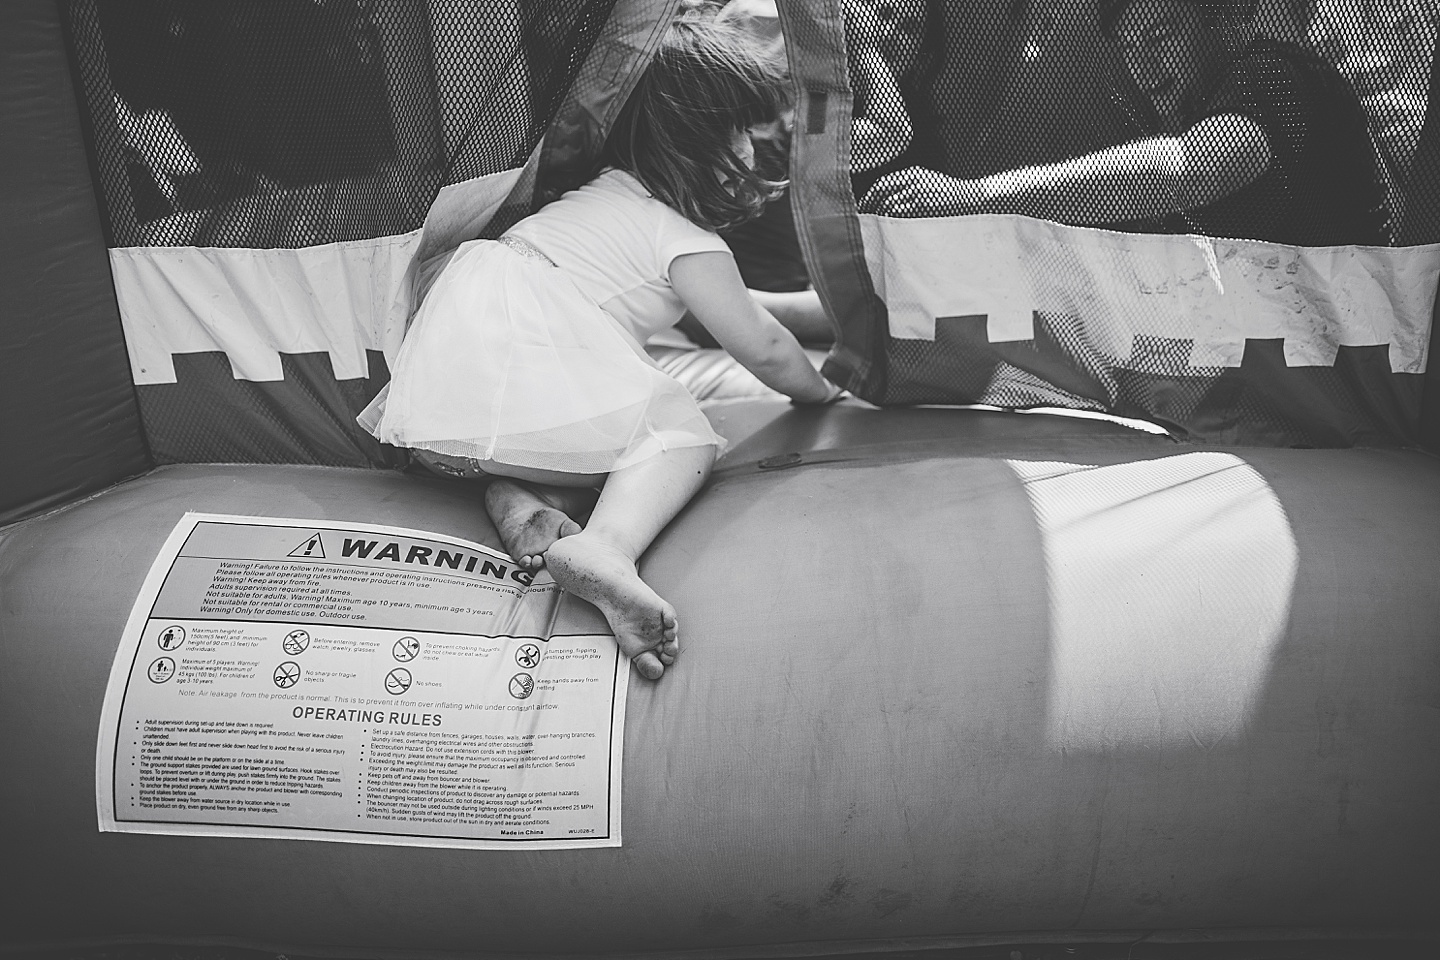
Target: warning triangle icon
(312,548)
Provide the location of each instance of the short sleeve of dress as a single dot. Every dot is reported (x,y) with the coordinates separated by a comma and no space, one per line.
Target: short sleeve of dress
(678,236)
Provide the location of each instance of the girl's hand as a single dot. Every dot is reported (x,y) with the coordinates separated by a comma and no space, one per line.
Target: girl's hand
(832,394)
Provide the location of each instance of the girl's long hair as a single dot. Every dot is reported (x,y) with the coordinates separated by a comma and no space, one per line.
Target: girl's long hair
(708,80)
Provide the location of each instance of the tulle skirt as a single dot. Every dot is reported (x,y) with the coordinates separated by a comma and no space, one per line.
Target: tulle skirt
(508,361)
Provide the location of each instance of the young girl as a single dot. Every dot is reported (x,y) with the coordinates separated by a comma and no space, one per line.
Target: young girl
(525,365)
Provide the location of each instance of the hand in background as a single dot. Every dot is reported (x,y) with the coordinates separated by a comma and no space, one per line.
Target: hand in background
(921,192)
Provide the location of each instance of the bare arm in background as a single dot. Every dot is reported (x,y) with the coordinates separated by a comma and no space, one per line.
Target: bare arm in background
(1142,179)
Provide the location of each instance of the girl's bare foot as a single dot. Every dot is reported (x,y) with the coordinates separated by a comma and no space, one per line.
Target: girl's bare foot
(527,521)
(645,625)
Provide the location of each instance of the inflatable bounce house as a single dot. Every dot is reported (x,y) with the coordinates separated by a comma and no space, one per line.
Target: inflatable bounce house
(1100,619)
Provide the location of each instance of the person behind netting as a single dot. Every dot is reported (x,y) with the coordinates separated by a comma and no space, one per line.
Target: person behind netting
(895,53)
(524,365)
(1255,139)
(766,248)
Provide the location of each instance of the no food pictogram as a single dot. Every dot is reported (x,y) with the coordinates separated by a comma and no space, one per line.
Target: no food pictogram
(287,674)
(406,649)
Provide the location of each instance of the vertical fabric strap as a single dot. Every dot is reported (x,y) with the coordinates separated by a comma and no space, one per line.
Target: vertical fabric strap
(822,198)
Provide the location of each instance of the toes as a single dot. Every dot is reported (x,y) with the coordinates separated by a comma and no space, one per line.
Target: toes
(669,647)
(569,528)
(648,664)
(644,624)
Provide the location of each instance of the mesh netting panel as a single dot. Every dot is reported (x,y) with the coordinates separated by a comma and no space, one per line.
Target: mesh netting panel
(268,123)
(1326,96)
(1291,122)
(245,124)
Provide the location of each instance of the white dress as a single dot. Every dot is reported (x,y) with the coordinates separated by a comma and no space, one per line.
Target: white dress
(536,360)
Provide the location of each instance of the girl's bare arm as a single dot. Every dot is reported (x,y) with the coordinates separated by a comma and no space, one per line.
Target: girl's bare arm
(710,285)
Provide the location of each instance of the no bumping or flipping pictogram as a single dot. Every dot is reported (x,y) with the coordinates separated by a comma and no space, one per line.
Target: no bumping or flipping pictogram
(406,649)
(295,642)
(397,681)
(528,656)
(161,670)
(521,686)
(171,637)
(287,674)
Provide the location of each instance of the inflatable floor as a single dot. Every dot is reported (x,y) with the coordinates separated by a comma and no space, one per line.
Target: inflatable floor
(948,678)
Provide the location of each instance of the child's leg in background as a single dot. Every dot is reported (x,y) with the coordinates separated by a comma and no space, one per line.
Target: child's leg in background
(530,508)
(531,516)
(598,563)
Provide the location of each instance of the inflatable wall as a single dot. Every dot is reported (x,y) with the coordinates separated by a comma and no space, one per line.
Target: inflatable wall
(1150,670)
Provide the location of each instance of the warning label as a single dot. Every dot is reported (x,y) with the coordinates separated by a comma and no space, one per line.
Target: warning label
(357,683)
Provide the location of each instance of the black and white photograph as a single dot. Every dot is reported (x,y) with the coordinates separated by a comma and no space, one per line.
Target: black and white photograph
(720,479)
